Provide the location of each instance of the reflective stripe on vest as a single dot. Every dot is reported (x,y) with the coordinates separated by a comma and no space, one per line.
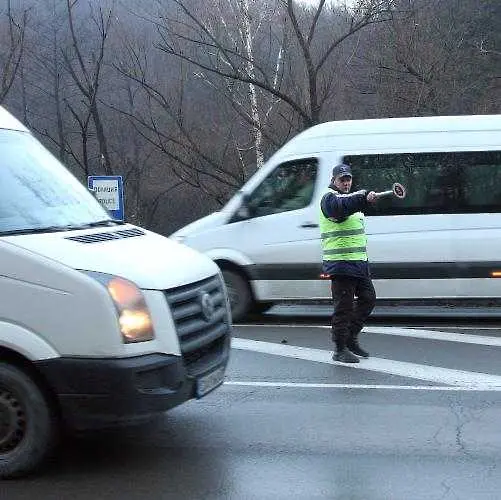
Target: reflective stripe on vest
(343,240)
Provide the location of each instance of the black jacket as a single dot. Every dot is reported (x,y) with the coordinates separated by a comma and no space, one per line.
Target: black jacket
(340,206)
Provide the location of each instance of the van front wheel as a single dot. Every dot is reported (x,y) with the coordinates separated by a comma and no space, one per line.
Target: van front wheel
(239,294)
(26,423)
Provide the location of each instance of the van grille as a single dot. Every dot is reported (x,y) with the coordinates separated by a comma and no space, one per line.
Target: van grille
(113,235)
(200,313)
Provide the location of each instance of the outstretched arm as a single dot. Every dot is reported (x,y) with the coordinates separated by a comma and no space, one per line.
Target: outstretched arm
(340,206)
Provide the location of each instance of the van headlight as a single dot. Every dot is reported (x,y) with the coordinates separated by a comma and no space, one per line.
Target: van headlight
(134,317)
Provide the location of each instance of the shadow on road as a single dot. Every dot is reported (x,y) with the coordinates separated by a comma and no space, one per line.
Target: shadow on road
(165,458)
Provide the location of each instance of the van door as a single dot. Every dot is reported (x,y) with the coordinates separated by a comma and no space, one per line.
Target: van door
(281,236)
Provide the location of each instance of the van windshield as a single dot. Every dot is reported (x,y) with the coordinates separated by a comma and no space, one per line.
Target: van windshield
(38,193)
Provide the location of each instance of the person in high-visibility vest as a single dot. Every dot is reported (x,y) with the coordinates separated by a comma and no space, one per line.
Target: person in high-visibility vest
(344,249)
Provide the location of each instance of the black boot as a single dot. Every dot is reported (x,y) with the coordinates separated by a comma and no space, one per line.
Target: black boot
(355,348)
(345,356)
(342,354)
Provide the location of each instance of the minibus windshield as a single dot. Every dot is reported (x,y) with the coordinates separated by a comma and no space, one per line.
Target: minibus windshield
(38,193)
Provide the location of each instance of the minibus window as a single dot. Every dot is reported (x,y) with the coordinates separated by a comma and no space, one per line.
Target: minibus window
(38,192)
(289,186)
(448,182)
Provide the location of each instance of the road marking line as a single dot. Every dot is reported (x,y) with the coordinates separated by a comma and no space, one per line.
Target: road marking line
(444,376)
(305,385)
(316,325)
(464,338)
(457,327)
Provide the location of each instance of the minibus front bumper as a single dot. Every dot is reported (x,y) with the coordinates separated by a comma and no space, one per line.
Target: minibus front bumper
(96,393)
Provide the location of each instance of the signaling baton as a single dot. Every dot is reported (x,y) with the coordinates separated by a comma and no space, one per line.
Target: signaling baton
(396,190)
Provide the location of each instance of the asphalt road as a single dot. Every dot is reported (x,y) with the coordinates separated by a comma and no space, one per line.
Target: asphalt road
(418,420)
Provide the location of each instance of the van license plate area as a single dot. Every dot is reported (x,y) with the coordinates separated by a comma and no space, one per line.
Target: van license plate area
(209,381)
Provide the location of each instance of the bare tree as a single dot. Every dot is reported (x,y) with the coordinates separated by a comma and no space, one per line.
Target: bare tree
(47,91)
(188,36)
(12,49)
(428,62)
(86,71)
(243,28)
(164,122)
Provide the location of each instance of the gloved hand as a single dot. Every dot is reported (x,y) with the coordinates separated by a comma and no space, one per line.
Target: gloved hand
(371,197)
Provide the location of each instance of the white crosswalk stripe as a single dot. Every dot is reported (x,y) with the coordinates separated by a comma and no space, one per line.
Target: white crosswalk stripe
(438,375)
(463,338)
(387,387)
(417,333)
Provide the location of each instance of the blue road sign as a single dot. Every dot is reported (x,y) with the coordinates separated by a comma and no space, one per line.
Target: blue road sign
(108,190)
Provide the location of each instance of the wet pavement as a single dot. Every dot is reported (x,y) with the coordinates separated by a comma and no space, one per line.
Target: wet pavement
(445,313)
(418,420)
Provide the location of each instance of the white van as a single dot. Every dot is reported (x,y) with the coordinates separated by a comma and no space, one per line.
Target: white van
(441,241)
(100,322)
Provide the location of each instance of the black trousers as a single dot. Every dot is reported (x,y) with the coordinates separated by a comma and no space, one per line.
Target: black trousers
(350,314)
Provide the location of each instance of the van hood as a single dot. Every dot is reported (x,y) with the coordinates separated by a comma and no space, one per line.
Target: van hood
(148,259)
(208,222)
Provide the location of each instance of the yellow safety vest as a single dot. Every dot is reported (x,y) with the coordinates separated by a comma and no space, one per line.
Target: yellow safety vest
(343,240)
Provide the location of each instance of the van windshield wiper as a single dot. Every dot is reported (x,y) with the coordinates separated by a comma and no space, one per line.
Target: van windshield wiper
(56,229)
(106,222)
(34,230)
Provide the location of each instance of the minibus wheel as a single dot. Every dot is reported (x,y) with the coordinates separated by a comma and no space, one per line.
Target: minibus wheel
(239,294)
(27,430)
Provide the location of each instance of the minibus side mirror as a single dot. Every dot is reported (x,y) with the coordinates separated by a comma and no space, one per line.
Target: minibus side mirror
(243,211)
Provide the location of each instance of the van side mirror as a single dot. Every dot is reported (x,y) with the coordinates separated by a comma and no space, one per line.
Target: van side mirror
(243,212)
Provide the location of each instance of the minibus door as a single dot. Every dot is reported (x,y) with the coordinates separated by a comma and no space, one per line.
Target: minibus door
(280,232)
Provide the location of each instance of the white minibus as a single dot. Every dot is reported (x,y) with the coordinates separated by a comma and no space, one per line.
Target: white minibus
(441,242)
(101,322)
